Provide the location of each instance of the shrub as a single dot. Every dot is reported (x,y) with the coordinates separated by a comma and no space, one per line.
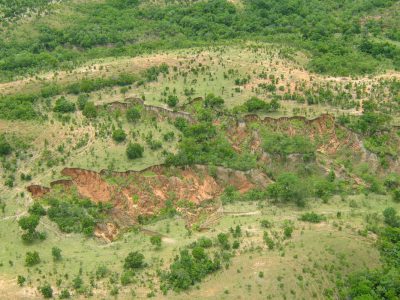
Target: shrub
(223,240)
(288,187)
(254,104)
(32,258)
(126,277)
(102,272)
(391,218)
(82,100)
(188,269)
(134,260)
(37,209)
(21,280)
(5,147)
(156,241)
(134,151)
(132,114)
(29,223)
(266,224)
(90,110)
(312,217)
(119,135)
(64,294)
(46,291)
(396,195)
(172,100)
(213,101)
(64,106)
(56,253)
(268,241)
(288,228)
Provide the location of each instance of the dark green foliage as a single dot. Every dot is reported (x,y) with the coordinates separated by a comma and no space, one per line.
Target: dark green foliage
(268,241)
(152,73)
(76,215)
(37,209)
(102,271)
(391,218)
(288,228)
(288,188)
(46,291)
(383,283)
(91,85)
(188,269)
(132,114)
(396,195)
(56,253)
(172,100)
(90,110)
(82,100)
(377,284)
(213,101)
(65,294)
(134,260)
(119,135)
(29,223)
(266,224)
(335,41)
(5,147)
(312,217)
(223,241)
(203,144)
(255,104)
(204,242)
(127,277)
(169,136)
(134,151)
(181,123)
(156,241)
(32,258)
(284,145)
(64,106)
(21,280)
(18,107)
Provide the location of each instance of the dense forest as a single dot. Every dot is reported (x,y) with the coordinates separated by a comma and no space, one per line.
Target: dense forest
(342,38)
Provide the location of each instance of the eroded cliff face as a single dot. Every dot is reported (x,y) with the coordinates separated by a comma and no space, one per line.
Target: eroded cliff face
(145,193)
(323,131)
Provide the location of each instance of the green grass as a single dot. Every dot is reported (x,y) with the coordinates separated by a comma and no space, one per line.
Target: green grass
(316,252)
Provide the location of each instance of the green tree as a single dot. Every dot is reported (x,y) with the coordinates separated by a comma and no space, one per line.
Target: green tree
(134,260)
(119,135)
(134,151)
(64,106)
(29,223)
(46,290)
(37,209)
(172,100)
(132,114)
(90,110)
(32,258)
(213,101)
(56,253)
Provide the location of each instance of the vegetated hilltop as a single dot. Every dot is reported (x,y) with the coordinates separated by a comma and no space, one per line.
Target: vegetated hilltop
(157,148)
(346,38)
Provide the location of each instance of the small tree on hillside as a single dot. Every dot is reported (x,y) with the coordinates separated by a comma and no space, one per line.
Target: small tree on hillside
(132,114)
(134,260)
(134,151)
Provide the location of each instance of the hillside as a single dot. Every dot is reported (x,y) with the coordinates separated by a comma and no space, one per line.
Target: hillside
(199,149)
